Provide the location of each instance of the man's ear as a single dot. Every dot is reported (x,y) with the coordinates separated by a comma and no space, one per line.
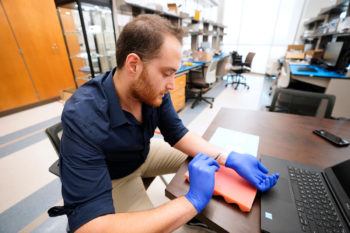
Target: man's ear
(133,64)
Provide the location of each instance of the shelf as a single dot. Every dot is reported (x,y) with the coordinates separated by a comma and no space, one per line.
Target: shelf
(86,77)
(314,20)
(85,69)
(204,21)
(207,34)
(160,12)
(338,34)
(82,55)
(93,54)
(170,14)
(72,32)
(195,33)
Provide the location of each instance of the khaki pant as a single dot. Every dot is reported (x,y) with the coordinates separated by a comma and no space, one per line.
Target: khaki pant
(129,194)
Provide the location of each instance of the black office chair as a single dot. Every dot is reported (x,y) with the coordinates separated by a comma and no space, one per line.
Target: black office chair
(55,133)
(238,68)
(200,83)
(302,103)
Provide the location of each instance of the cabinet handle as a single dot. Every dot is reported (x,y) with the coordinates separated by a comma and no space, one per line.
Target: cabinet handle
(54,46)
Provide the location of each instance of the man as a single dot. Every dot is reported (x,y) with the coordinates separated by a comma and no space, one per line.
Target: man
(106,146)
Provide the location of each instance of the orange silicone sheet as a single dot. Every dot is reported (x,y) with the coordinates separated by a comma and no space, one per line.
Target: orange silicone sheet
(233,188)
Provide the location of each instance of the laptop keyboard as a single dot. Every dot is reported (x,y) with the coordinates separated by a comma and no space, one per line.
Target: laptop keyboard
(315,209)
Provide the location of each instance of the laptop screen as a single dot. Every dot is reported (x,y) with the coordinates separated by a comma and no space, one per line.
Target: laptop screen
(342,172)
(339,179)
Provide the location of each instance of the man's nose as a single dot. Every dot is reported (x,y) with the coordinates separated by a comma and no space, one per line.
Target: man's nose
(171,83)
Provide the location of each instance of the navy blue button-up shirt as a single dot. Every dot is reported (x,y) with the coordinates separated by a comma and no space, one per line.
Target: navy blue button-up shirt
(101,142)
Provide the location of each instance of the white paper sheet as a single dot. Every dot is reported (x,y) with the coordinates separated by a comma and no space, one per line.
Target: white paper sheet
(236,141)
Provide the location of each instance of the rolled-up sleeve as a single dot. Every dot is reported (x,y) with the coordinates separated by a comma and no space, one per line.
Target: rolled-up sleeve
(170,124)
(86,184)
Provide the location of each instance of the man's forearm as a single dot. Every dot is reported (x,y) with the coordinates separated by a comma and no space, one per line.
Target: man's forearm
(191,144)
(165,218)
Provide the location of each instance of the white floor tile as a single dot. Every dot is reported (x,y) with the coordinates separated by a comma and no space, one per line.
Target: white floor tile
(20,120)
(24,172)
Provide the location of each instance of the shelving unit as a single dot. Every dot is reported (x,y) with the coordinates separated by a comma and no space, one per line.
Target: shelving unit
(203,29)
(208,30)
(90,37)
(322,28)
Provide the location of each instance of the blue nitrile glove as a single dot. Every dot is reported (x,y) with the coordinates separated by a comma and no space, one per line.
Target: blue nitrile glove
(202,170)
(251,169)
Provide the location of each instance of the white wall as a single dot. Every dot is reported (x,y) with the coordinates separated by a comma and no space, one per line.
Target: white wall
(263,27)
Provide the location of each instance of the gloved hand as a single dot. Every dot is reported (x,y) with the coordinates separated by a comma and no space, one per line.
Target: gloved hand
(250,168)
(202,170)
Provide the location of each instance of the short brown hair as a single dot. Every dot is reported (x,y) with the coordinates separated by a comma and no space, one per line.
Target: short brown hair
(144,36)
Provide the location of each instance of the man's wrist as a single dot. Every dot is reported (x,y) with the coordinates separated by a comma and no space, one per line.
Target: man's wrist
(221,158)
(197,205)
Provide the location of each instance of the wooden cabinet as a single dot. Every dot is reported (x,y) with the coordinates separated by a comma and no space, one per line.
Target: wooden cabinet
(37,34)
(16,86)
(178,94)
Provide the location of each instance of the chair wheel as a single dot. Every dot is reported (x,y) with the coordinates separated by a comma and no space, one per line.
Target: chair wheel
(211,106)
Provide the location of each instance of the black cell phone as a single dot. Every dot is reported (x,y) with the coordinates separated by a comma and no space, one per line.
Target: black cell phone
(338,141)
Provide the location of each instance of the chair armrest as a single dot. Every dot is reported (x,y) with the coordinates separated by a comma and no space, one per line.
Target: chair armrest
(55,168)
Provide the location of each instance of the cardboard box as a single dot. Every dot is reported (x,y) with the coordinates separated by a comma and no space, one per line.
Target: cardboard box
(296,47)
(202,56)
(172,7)
(295,55)
(318,53)
(295,51)
(66,94)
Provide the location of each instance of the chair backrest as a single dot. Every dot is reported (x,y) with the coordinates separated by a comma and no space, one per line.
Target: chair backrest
(210,75)
(55,133)
(221,67)
(249,59)
(302,103)
(236,59)
(283,79)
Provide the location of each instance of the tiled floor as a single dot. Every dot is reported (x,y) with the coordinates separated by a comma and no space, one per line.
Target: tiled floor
(27,189)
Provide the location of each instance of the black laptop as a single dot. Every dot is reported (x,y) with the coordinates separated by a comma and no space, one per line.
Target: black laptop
(306,199)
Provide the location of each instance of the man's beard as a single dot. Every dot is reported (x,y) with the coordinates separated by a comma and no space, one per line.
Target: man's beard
(145,92)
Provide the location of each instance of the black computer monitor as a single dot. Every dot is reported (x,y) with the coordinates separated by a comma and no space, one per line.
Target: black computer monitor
(331,54)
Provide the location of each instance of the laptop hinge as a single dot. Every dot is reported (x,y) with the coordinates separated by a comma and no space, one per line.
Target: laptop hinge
(335,198)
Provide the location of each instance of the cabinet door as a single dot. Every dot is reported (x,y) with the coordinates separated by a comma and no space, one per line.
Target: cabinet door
(16,88)
(178,94)
(38,32)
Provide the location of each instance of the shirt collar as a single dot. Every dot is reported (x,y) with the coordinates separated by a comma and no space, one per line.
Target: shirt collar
(116,113)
